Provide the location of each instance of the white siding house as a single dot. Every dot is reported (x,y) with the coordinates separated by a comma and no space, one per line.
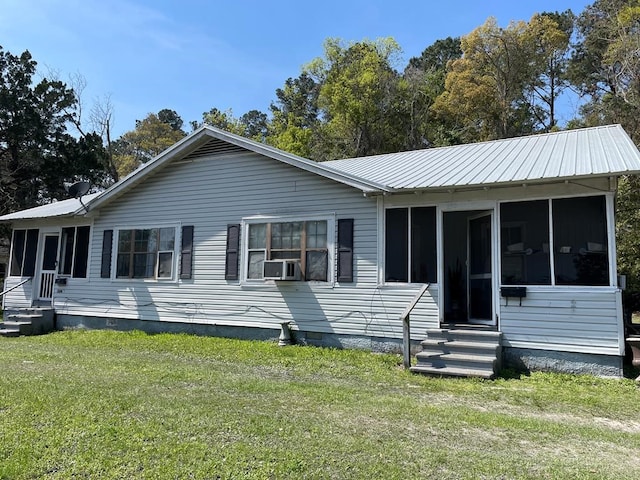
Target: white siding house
(515,235)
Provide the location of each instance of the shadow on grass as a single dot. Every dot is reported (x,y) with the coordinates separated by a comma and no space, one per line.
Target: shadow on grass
(512,374)
(629,371)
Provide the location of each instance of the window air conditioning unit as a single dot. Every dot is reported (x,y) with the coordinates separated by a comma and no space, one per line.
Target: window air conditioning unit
(281,270)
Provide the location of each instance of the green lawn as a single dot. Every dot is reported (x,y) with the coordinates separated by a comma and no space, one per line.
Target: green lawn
(80,404)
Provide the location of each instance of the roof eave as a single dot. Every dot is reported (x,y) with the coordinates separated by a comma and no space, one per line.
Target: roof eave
(510,184)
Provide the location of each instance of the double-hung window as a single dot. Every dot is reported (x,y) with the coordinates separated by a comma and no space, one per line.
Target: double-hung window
(146,253)
(303,241)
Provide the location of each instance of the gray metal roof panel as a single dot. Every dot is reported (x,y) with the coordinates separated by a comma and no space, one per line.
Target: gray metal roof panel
(61,208)
(600,151)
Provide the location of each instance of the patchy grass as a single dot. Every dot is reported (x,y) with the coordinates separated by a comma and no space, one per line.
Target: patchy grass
(81,404)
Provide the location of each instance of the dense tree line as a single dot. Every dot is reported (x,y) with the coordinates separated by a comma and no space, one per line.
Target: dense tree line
(359,99)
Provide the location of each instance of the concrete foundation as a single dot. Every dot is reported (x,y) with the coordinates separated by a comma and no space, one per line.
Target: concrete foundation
(527,360)
(320,339)
(520,359)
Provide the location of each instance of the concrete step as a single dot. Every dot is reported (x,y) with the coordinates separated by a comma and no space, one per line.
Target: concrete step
(41,319)
(469,351)
(453,360)
(464,335)
(9,332)
(453,371)
(456,346)
(24,327)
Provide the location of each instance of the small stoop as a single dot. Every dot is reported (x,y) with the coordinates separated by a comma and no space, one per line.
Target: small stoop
(27,321)
(460,352)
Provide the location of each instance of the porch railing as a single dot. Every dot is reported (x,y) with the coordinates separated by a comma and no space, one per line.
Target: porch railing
(406,326)
(2,294)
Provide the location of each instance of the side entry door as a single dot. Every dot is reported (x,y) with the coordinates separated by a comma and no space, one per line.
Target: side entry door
(480,291)
(48,266)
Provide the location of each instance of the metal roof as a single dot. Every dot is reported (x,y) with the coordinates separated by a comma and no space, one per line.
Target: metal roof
(56,209)
(597,151)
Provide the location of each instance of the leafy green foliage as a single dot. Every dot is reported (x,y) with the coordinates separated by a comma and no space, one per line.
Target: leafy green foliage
(357,98)
(507,81)
(37,155)
(152,135)
(295,116)
(422,83)
(129,405)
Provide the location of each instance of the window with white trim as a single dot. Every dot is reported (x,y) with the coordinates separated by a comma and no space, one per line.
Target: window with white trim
(146,253)
(410,245)
(24,246)
(578,251)
(304,241)
(74,252)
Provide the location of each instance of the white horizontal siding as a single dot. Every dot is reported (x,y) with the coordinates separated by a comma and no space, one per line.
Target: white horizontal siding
(212,193)
(573,319)
(20,297)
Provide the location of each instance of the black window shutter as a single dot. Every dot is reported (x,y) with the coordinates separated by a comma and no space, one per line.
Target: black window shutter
(345,250)
(107,246)
(231,271)
(186,254)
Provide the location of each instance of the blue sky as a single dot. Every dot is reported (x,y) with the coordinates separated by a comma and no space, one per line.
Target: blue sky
(191,56)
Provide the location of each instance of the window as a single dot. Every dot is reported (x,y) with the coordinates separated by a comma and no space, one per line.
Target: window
(303,241)
(410,245)
(580,241)
(578,253)
(74,252)
(146,253)
(524,240)
(24,246)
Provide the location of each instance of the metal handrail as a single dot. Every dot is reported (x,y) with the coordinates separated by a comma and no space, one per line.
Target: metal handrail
(15,286)
(406,326)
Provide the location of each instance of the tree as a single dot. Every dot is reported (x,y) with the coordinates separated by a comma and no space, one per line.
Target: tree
(255,124)
(295,116)
(37,154)
(484,90)
(99,122)
(357,98)
(171,118)
(422,82)
(605,68)
(150,137)
(549,34)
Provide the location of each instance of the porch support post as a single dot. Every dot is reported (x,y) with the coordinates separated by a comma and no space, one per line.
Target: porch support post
(406,323)
(406,342)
